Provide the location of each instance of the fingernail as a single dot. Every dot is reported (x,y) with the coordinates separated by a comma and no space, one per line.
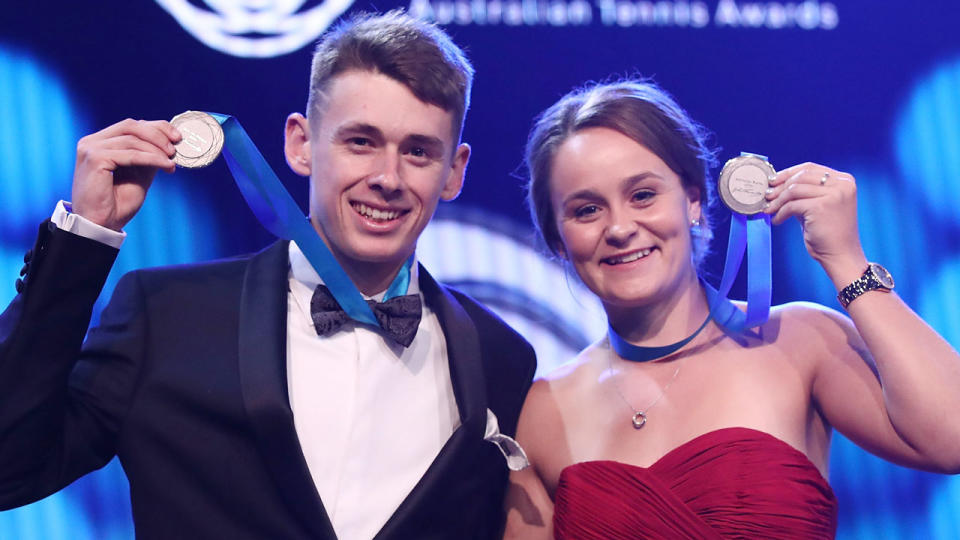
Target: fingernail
(766,205)
(769,191)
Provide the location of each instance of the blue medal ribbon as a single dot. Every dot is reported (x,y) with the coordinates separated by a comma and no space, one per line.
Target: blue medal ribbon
(721,309)
(278,213)
(636,353)
(750,234)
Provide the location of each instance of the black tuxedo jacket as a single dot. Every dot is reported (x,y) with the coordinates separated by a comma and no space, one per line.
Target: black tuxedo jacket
(185,380)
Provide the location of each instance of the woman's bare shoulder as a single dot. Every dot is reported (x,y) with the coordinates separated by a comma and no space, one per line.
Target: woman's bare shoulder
(813,331)
(563,382)
(579,367)
(802,317)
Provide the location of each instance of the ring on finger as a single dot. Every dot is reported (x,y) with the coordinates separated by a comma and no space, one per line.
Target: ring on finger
(823,179)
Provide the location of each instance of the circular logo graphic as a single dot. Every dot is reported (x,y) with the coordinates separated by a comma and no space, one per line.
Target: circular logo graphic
(256,28)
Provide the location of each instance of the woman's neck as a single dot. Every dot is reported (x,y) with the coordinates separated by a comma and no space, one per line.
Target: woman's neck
(662,321)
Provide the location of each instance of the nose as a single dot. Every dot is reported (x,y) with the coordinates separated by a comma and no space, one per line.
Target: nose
(386,178)
(620,229)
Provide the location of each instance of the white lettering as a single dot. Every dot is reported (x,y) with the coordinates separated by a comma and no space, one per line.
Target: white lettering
(421,9)
(608,13)
(579,12)
(699,15)
(727,14)
(807,15)
(513,14)
(509,12)
(776,15)
(829,18)
(677,14)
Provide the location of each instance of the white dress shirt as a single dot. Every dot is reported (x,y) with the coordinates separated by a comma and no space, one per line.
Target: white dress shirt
(64,219)
(370,415)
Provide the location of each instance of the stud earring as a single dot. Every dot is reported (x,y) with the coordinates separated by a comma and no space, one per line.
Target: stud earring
(694,222)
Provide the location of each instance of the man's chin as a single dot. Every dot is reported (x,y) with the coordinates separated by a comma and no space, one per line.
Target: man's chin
(377,257)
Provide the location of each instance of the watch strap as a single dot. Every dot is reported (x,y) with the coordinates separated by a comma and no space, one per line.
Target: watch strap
(866,282)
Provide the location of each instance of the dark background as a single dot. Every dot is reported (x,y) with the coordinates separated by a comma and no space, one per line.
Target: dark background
(877,95)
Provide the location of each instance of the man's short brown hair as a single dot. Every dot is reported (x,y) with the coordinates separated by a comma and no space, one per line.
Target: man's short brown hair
(413,52)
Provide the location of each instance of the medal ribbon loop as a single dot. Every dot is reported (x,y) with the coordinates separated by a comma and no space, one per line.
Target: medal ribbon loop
(750,234)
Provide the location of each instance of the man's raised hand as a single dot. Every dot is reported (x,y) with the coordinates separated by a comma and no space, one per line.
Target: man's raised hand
(115,167)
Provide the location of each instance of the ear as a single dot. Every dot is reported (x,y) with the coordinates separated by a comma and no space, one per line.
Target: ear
(694,210)
(458,169)
(296,144)
(560,251)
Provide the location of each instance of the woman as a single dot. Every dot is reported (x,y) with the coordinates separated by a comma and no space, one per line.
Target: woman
(730,434)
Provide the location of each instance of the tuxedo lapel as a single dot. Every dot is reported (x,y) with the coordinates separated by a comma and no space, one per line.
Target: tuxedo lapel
(463,351)
(263,380)
(469,388)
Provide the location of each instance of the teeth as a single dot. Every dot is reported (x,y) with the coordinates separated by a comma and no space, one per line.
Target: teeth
(630,257)
(375,214)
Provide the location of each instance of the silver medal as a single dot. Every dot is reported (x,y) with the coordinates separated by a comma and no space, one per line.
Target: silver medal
(202,139)
(743,183)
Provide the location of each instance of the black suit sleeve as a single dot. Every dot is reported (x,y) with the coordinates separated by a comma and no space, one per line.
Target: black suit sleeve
(50,434)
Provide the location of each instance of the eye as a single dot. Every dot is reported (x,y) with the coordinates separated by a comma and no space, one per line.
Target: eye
(420,156)
(642,195)
(586,211)
(359,141)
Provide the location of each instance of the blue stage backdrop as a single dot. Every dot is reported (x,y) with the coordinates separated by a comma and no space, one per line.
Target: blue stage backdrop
(868,87)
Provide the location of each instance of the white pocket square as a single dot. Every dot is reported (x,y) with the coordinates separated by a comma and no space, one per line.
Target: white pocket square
(511,450)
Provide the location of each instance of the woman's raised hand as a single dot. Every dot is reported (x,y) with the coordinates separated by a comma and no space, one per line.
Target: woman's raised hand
(824,200)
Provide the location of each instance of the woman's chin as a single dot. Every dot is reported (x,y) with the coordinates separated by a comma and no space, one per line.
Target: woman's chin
(626,300)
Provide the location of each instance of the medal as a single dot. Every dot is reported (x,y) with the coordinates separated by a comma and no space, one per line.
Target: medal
(743,183)
(202,139)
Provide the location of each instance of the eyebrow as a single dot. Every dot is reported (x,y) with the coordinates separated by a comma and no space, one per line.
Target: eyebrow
(373,132)
(583,194)
(637,178)
(357,128)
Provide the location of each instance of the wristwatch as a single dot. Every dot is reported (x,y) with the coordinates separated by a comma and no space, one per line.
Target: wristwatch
(874,278)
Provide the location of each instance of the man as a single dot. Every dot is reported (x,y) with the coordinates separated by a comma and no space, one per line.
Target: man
(232,416)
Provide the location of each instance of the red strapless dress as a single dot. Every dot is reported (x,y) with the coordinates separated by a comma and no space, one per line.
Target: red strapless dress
(729,483)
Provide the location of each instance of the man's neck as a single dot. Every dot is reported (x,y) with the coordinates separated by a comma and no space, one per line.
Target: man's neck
(372,279)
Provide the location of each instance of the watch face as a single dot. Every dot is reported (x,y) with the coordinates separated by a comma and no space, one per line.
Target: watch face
(884,277)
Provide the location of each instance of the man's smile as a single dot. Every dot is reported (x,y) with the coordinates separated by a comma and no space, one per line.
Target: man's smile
(376,214)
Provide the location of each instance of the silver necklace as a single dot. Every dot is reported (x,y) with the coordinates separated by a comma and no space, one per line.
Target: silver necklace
(639,418)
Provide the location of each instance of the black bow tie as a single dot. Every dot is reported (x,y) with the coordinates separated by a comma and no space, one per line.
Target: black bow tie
(399,316)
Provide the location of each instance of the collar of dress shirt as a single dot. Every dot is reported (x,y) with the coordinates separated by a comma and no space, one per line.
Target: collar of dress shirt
(302,271)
